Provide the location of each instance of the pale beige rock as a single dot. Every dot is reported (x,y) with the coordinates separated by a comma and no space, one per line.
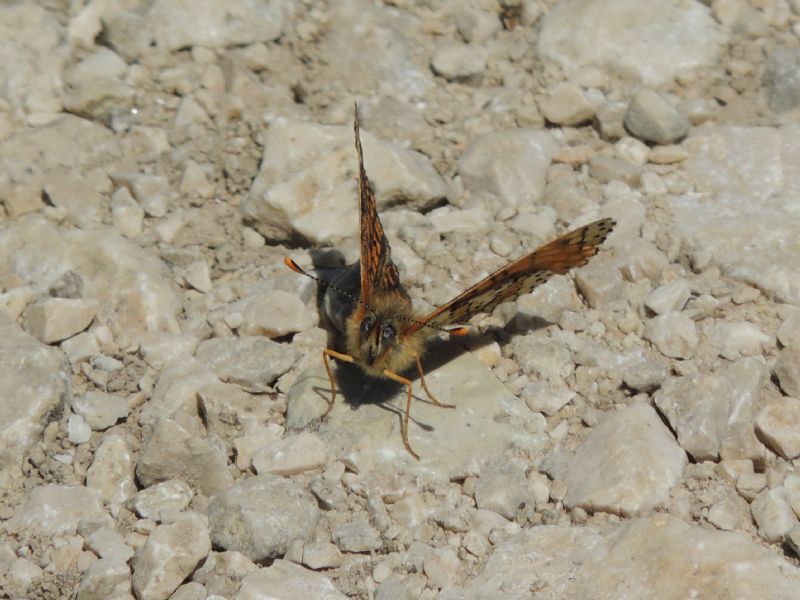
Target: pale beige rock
(773,515)
(627,465)
(33,382)
(628,561)
(55,509)
(291,455)
(776,425)
(56,319)
(171,553)
(321,555)
(674,334)
(111,471)
(275,313)
(283,579)
(566,104)
(168,496)
(670,297)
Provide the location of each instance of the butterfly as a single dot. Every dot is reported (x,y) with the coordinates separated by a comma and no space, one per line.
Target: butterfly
(383,334)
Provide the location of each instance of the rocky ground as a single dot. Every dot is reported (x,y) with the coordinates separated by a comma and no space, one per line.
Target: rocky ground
(629,430)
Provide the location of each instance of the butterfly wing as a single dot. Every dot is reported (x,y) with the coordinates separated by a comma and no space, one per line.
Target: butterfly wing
(377,269)
(571,250)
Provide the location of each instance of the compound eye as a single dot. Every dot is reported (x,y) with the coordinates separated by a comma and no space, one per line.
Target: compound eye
(389,333)
(366,325)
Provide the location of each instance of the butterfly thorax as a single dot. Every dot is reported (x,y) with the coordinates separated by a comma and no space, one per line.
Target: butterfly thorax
(376,336)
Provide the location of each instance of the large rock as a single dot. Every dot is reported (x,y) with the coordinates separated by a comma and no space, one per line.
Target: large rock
(34,381)
(749,227)
(649,40)
(130,284)
(306,186)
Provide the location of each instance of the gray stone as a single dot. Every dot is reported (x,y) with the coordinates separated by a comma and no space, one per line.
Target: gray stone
(222,573)
(456,61)
(645,376)
(170,452)
(261,516)
(251,362)
(357,536)
(787,370)
(275,313)
(653,118)
(782,80)
(502,487)
(291,455)
(599,282)
(183,24)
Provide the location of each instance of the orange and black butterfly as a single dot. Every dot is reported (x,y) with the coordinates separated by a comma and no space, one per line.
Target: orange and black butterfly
(383,334)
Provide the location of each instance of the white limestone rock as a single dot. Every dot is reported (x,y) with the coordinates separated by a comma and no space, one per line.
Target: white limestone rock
(652,41)
(627,465)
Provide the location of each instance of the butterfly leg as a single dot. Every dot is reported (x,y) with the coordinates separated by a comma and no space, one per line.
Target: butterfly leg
(326,356)
(425,386)
(404,430)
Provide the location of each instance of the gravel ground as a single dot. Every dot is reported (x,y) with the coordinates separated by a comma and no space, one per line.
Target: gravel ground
(629,430)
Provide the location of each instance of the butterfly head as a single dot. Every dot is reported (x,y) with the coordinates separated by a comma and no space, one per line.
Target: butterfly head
(377,339)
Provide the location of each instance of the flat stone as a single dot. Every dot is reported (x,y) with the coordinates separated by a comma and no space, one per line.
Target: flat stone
(776,425)
(321,555)
(252,362)
(502,488)
(176,25)
(275,313)
(624,561)
(171,452)
(286,580)
(101,410)
(755,194)
(291,455)
(739,338)
(56,319)
(646,464)
(652,42)
(456,61)
(357,536)
(369,416)
(54,509)
(239,521)
(510,164)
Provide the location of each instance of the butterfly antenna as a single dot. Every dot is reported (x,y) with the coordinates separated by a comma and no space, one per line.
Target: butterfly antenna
(297,269)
